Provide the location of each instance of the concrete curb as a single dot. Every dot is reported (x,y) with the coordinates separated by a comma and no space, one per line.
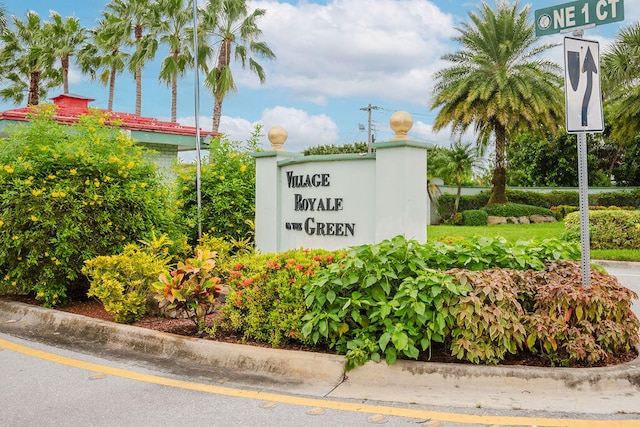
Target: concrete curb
(323,374)
(269,367)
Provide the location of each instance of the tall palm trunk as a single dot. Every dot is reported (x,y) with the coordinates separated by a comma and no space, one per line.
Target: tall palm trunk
(174,96)
(65,73)
(217,113)
(224,59)
(456,204)
(138,35)
(34,88)
(138,91)
(174,89)
(112,87)
(499,180)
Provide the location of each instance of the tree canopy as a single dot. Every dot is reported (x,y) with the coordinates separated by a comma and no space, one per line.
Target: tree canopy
(498,84)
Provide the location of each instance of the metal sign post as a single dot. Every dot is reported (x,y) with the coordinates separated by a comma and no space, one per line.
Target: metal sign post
(582,86)
(583,182)
(583,114)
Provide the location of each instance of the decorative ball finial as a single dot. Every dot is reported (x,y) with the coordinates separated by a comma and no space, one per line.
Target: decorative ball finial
(401,122)
(278,136)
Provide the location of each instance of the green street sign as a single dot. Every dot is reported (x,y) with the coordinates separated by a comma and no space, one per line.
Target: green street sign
(577,14)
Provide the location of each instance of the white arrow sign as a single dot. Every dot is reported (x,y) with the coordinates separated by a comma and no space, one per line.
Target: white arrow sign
(582,86)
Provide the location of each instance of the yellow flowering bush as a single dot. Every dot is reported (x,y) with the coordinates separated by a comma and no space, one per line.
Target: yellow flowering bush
(54,199)
(228,191)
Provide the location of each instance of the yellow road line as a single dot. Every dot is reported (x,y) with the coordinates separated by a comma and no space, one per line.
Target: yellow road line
(311,402)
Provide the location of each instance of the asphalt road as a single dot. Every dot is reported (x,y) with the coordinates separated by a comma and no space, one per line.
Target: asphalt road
(628,275)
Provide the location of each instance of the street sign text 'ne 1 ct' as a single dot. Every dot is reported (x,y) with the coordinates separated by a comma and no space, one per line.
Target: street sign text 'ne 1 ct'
(576,15)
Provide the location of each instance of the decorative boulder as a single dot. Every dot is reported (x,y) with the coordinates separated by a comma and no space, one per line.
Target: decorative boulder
(524,220)
(537,219)
(495,220)
(513,220)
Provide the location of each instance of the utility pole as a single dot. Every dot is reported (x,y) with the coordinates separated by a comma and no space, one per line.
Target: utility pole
(369,139)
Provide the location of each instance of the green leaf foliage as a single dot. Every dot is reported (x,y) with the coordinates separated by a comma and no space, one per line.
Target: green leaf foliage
(69,193)
(488,320)
(266,301)
(480,253)
(567,323)
(609,229)
(516,209)
(396,298)
(123,282)
(228,192)
(191,288)
(358,147)
(615,197)
(474,217)
(388,303)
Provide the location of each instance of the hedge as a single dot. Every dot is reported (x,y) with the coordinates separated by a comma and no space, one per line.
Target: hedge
(609,229)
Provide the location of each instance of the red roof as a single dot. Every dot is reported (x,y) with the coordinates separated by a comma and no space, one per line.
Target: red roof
(70,107)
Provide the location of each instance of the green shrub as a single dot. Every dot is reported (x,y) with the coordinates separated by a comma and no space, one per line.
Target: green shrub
(561,211)
(191,288)
(446,203)
(517,210)
(616,198)
(480,253)
(69,193)
(223,249)
(381,301)
(358,147)
(265,301)
(609,229)
(456,219)
(531,198)
(488,320)
(474,217)
(227,192)
(394,299)
(123,282)
(545,200)
(556,198)
(567,323)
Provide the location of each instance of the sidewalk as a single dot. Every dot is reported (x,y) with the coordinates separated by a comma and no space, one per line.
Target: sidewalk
(606,390)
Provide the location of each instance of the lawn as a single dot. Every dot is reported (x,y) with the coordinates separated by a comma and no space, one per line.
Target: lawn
(514,232)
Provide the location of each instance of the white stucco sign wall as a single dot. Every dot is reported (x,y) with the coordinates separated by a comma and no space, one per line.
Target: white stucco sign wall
(323,202)
(336,201)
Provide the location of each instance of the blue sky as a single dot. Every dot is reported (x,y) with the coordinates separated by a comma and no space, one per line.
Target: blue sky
(333,58)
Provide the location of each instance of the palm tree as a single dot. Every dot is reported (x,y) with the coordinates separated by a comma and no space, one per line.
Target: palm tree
(137,17)
(498,84)
(104,58)
(620,70)
(3,19)
(234,31)
(457,164)
(67,38)
(27,61)
(176,31)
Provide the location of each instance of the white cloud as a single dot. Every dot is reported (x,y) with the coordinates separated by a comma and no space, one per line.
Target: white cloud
(350,48)
(75,75)
(304,130)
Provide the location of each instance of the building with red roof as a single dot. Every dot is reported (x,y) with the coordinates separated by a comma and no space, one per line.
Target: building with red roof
(166,138)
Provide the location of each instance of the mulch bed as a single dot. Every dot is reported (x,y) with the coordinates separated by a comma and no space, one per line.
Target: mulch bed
(185,327)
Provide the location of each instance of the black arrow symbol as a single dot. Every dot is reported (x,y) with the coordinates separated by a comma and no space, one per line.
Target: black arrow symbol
(573,65)
(589,67)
